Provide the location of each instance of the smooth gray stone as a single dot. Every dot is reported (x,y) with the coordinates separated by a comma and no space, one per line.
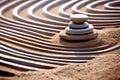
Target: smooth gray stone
(69,30)
(78,26)
(78,18)
(69,37)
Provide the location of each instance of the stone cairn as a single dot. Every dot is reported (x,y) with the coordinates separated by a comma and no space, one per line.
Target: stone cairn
(78,29)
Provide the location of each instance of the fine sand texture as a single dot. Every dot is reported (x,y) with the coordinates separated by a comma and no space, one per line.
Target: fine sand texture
(104,67)
(31,48)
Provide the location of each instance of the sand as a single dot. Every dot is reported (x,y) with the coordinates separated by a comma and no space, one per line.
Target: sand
(105,66)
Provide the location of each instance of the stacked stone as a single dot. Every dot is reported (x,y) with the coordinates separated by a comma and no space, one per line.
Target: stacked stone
(78,29)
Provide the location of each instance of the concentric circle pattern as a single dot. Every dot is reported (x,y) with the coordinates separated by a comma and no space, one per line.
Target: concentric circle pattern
(27,28)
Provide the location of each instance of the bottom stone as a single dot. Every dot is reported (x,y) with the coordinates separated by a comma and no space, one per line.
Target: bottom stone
(75,44)
(68,37)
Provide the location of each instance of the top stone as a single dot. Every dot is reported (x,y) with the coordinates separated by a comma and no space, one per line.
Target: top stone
(78,18)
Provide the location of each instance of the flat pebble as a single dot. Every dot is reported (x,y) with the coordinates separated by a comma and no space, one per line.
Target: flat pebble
(69,30)
(65,36)
(78,26)
(78,18)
